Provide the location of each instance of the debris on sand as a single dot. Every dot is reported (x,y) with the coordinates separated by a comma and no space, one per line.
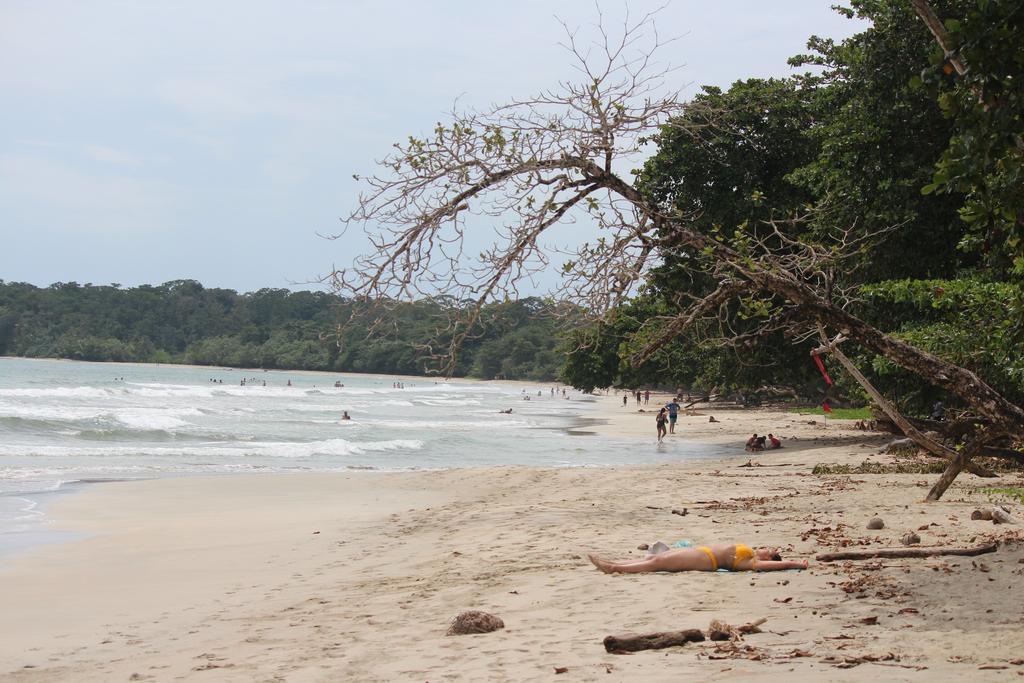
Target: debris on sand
(910,538)
(474,622)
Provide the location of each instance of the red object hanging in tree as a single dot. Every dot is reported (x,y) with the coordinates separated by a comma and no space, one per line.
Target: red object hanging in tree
(821,366)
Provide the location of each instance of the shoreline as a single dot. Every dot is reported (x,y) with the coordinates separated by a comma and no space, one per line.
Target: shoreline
(224,368)
(41,532)
(322,577)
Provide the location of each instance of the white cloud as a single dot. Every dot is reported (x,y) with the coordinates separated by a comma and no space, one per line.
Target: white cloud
(110,155)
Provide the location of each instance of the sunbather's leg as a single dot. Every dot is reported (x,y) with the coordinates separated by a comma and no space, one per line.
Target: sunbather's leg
(630,567)
(684,559)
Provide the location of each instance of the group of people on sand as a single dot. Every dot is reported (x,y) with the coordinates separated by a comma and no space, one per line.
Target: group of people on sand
(760,443)
(640,396)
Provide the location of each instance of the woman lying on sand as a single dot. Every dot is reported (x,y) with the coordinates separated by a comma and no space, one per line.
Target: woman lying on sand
(737,558)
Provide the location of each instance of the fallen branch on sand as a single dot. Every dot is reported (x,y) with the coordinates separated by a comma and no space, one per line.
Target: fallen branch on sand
(719,630)
(657,641)
(652,641)
(906,552)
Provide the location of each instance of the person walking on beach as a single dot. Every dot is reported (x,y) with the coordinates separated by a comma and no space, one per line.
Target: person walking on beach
(673,415)
(661,419)
(647,397)
(705,558)
(624,399)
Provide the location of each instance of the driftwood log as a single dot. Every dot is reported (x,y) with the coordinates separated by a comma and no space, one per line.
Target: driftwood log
(950,429)
(905,552)
(956,429)
(656,641)
(652,641)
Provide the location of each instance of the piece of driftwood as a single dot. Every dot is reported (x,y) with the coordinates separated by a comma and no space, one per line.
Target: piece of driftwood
(719,630)
(905,552)
(954,429)
(652,641)
(1002,516)
(752,627)
(898,445)
(1003,453)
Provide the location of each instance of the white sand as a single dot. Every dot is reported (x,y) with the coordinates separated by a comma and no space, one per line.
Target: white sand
(225,579)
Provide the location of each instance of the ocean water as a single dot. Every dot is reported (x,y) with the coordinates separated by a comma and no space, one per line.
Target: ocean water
(65,425)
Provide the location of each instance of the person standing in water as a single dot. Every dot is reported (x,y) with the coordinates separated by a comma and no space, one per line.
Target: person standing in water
(673,415)
(661,419)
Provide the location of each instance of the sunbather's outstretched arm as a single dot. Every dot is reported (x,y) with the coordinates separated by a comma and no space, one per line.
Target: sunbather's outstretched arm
(778,565)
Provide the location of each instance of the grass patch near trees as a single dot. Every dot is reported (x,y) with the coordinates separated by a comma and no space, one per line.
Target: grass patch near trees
(898,467)
(1014,492)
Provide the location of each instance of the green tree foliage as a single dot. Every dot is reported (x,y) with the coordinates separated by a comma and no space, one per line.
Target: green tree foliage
(183,322)
(878,139)
(984,159)
(974,323)
(725,163)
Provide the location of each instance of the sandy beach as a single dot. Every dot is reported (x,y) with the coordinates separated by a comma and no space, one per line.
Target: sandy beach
(356,576)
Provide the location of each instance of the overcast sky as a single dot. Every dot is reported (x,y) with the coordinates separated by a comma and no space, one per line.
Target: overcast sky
(142,142)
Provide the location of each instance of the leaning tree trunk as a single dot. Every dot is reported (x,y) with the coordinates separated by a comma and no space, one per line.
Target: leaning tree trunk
(889,409)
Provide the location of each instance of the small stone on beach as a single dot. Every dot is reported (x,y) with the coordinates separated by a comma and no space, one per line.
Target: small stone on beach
(910,538)
(876,523)
(474,622)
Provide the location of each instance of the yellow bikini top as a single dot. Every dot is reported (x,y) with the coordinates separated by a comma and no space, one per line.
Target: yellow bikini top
(743,552)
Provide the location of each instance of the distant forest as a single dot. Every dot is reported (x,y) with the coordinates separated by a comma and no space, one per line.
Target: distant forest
(183,322)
